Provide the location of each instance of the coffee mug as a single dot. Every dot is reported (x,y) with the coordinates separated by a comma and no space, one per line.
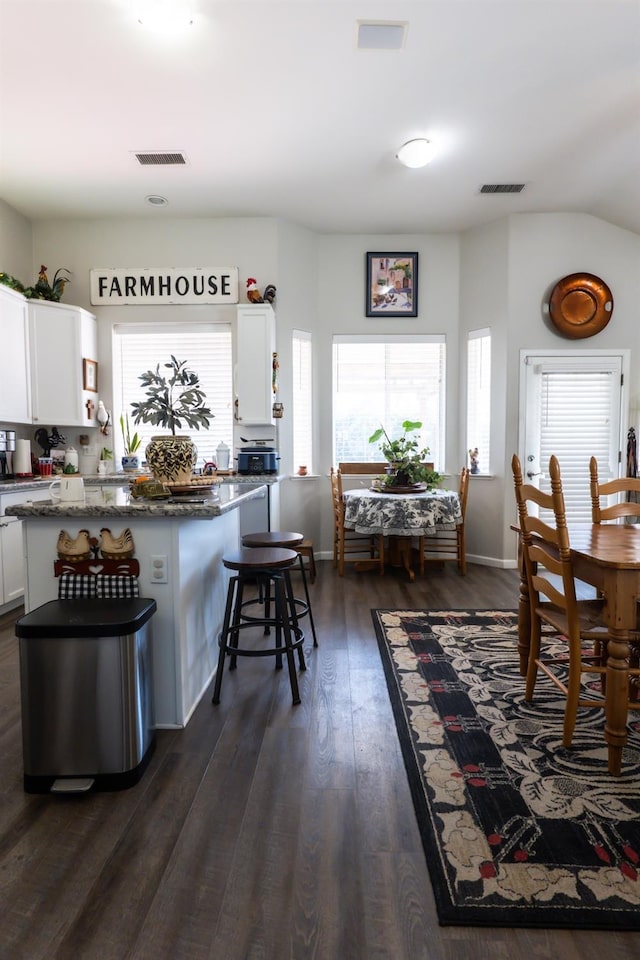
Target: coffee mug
(67,490)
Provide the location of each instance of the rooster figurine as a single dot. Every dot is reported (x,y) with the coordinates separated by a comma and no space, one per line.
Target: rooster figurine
(74,548)
(43,290)
(253,294)
(116,548)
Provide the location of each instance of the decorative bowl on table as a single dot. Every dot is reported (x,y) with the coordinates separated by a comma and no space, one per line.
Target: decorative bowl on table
(196,485)
(147,489)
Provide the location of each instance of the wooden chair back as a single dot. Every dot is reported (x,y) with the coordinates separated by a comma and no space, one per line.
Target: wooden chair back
(349,468)
(623,508)
(449,544)
(349,546)
(463,491)
(546,548)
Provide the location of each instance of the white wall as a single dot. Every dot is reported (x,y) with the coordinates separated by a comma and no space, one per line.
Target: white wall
(509,269)
(484,303)
(496,276)
(15,245)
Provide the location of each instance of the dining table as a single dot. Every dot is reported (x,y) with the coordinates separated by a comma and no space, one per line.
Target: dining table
(606,556)
(401,516)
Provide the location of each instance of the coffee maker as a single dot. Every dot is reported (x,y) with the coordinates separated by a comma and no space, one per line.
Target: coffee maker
(7,447)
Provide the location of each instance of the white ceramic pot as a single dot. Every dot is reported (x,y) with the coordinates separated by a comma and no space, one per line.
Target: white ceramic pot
(67,489)
(130,462)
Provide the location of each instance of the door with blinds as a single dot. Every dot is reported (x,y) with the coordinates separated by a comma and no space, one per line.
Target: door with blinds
(572,408)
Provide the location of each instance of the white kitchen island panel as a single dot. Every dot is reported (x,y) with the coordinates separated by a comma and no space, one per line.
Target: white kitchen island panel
(190,602)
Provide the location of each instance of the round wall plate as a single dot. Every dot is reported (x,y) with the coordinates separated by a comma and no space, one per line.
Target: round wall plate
(580,305)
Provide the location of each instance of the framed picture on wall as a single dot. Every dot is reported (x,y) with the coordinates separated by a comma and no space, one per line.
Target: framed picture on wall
(391,285)
(90,375)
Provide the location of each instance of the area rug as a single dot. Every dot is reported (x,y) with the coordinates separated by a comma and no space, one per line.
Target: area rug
(517,830)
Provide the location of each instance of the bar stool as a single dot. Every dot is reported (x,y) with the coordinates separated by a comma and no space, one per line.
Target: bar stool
(290,541)
(266,567)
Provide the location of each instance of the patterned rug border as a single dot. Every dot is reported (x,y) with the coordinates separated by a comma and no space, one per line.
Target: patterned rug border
(451,913)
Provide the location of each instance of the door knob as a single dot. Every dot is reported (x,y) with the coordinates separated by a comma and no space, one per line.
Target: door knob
(531,474)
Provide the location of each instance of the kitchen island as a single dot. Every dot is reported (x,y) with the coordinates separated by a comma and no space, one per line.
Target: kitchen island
(179,546)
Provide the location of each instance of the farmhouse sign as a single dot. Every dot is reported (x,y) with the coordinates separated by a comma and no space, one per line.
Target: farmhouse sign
(155,285)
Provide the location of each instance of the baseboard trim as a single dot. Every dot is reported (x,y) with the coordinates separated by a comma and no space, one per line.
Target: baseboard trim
(504,564)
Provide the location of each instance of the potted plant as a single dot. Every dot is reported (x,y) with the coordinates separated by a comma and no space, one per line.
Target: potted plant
(106,454)
(406,458)
(131,444)
(173,399)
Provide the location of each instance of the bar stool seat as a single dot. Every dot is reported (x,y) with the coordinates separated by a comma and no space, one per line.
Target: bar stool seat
(291,541)
(269,568)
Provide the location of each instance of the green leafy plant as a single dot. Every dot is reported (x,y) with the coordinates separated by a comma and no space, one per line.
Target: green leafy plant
(173,399)
(42,289)
(131,443)
(106,454)
(405,456)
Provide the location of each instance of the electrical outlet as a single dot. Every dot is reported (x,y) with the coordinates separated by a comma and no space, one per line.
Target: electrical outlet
(159,572)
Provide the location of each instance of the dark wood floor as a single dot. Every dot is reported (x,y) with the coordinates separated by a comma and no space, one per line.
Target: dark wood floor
(262,831)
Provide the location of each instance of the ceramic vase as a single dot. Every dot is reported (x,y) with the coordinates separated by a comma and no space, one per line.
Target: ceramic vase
(171,459)
(130,462)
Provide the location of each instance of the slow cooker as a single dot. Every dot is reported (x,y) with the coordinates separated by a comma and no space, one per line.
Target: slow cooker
(257,460)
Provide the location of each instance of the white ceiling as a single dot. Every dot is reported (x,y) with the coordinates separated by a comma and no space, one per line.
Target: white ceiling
(280,115)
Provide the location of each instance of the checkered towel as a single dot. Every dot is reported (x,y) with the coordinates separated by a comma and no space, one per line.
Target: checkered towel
(117,586)
(75,586)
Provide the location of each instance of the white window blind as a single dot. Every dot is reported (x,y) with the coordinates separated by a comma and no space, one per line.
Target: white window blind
(207,350)
(384,380)
(479,396)
(301,368)
(576,413)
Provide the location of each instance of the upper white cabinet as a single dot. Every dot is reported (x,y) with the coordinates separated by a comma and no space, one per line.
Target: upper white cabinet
(61,337)
(15,394)
(256,343)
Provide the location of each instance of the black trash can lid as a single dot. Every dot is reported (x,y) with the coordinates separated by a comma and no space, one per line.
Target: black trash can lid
(86,618)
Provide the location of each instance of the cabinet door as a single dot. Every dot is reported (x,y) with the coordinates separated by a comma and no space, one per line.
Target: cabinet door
(15,393)
(255,344)
(11,560)
(60,338)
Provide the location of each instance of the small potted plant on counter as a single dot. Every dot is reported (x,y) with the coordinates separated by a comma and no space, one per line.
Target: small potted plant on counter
(407,468)
(172,400)
(132,443)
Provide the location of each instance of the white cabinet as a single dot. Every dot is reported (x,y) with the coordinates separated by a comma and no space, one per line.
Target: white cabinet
(61,337)
(11,560)
(255,346)
(15,393)
(11,546)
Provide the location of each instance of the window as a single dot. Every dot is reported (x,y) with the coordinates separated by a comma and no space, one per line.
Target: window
(383,380)
(302,394)
(207,349)
(572,409)
(479,396)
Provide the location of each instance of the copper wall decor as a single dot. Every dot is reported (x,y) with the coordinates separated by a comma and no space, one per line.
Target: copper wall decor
(580,305)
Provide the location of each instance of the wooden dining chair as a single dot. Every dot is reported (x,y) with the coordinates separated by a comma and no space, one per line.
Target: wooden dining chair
(552,597)
(630,486)
(349,546)
(449,544)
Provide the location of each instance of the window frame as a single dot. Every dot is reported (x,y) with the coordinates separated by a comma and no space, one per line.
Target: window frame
(372,453)
(302,399)
(219,429)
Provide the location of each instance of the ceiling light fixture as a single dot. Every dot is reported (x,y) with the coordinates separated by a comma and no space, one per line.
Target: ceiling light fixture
(165,16)
(154,200)
(416,153)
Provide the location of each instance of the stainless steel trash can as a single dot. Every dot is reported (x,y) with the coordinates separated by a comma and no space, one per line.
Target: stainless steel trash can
(87,699)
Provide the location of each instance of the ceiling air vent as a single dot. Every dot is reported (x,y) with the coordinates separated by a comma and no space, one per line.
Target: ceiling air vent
(502,188)
(161,159)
